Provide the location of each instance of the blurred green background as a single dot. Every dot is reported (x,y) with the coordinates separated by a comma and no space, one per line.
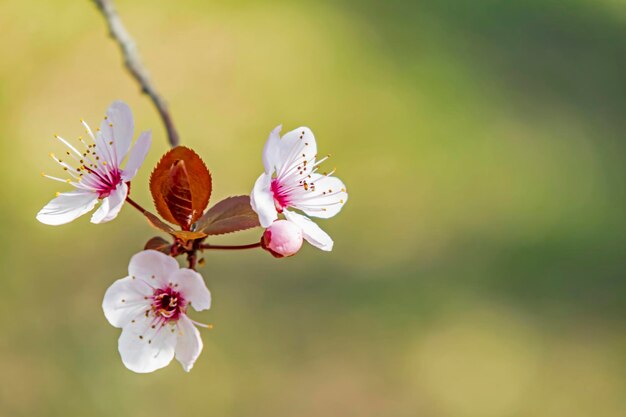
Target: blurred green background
(479,266)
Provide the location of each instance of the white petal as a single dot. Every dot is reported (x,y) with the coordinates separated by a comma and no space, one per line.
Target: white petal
(111,205)
(137,155)
(146,349)
(311,231)
(262,200)
(118,127)
(295,147)
(124,300)
(192,287)
(67,207)
(105,149)
(102,211)
(152,266)
(188,343)
(327,200)
(271,151)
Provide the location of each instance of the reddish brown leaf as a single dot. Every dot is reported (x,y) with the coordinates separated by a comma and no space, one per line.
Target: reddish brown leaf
(186,235)
(181,186)
(177,194)
(158,243)
(158,223)
(229,215)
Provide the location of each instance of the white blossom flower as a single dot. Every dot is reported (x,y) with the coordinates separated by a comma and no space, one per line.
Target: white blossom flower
(291,181)
(150,305)
(96,172)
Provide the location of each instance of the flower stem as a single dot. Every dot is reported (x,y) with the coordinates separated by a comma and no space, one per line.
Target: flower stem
(227,247)
(135,204)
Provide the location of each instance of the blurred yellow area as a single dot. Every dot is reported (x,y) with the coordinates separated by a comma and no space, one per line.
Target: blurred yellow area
(479,266)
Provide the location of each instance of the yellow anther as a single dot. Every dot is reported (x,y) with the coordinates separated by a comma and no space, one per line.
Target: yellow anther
(57,194)
(68,181)
(104,162)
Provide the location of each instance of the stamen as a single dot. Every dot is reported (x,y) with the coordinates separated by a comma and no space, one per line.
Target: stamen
(66,167)
(66,143)
(55,178)
(88,129)
(206,326)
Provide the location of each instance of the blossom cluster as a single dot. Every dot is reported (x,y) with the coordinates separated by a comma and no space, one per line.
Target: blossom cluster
(151,304)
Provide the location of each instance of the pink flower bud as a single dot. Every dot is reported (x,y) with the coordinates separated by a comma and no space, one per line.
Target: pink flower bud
(282,238)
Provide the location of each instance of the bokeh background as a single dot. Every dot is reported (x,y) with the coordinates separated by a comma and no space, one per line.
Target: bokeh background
(479,266)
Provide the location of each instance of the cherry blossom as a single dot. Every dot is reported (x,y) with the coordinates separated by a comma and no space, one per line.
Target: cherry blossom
(150,305)
(95,172)
(291,181)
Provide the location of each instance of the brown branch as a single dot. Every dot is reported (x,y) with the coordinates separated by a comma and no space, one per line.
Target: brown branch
(192,259)
(128,48)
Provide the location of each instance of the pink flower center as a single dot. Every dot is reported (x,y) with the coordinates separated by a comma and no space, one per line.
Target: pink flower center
(104,181)
(167,304)
(281,195)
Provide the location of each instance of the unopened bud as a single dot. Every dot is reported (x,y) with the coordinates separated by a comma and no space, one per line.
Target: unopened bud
(282,238)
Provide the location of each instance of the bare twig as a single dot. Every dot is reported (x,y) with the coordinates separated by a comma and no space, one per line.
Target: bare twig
(133,64)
